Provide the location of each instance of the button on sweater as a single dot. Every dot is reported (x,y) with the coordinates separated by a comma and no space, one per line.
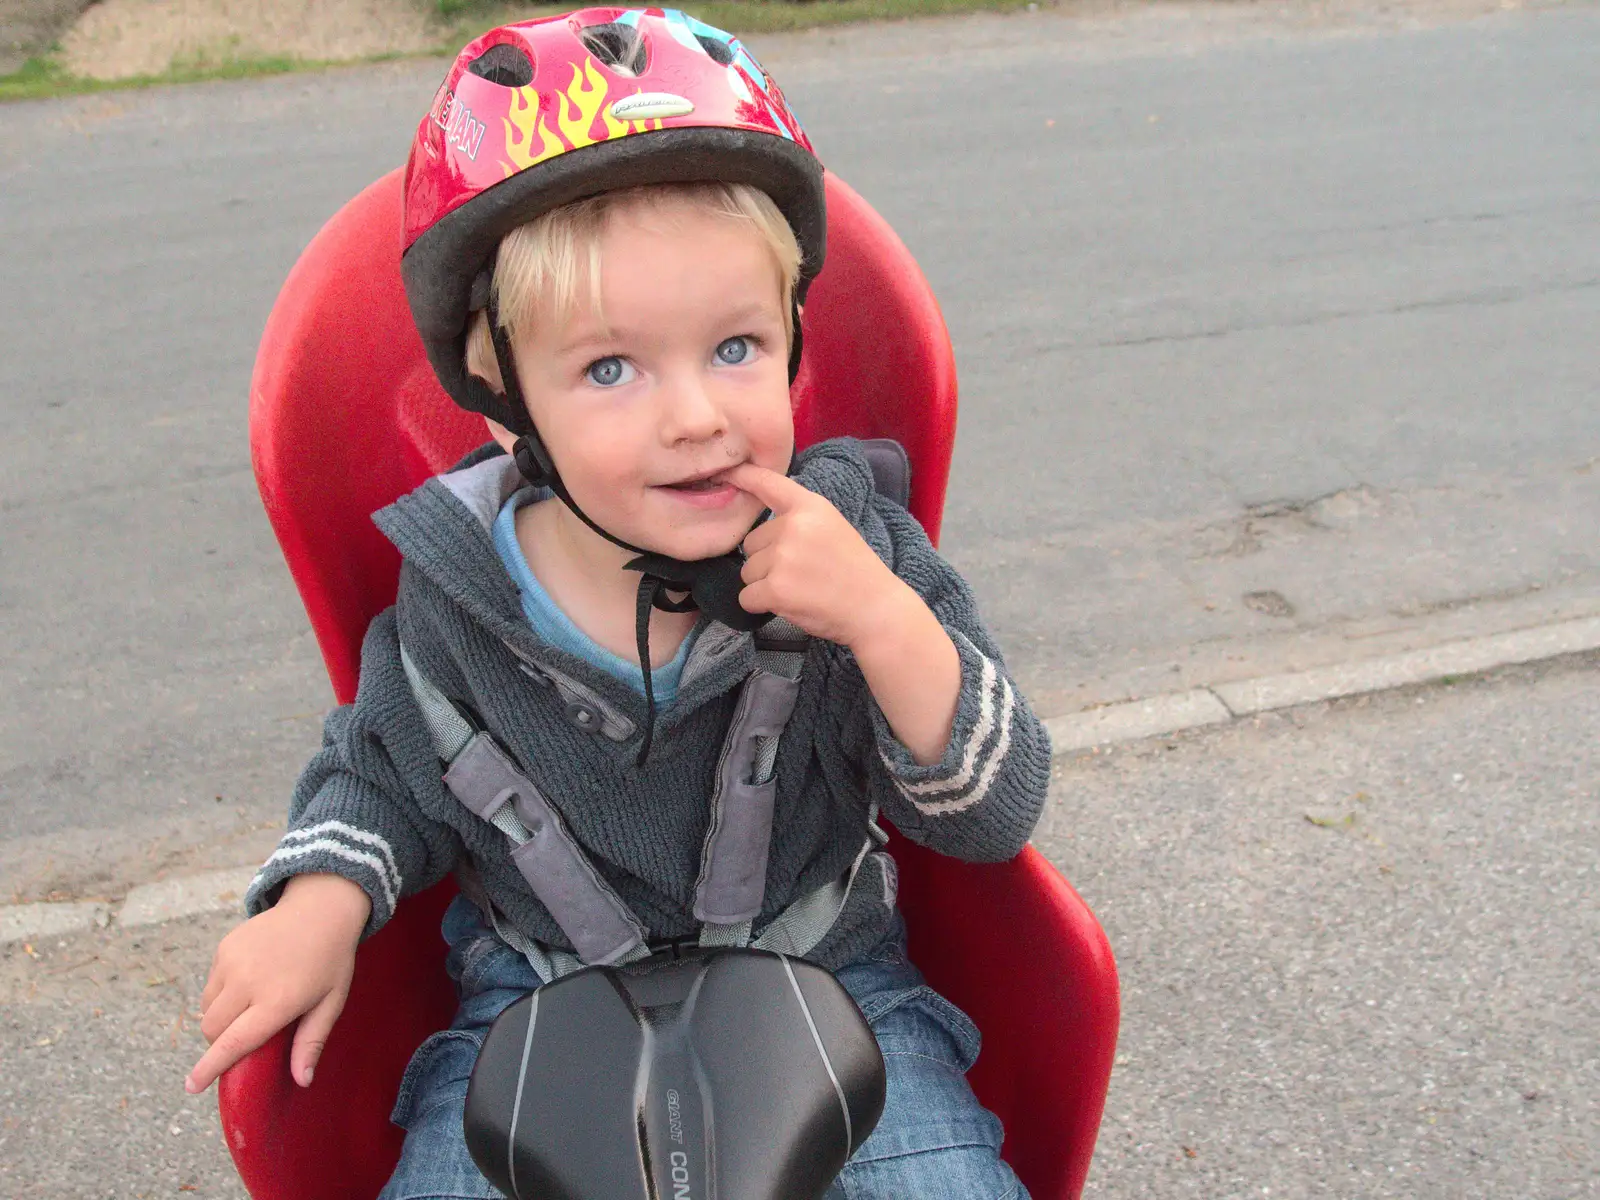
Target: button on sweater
(371,805)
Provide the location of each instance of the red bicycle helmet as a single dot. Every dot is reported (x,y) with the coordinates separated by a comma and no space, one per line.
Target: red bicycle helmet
(538,114)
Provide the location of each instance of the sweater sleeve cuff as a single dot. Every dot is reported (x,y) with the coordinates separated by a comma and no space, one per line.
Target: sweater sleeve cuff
(331,846)
(980,738)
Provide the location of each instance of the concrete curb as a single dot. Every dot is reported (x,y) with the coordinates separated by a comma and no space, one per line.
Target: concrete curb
(1133,721)
(1136,720)
(147,904)
(20,921)
(215,891)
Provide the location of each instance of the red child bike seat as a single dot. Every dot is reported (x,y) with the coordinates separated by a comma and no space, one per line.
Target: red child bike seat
(346,415)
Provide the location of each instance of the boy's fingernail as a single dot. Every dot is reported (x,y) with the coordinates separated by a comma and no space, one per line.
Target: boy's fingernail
(306,1082)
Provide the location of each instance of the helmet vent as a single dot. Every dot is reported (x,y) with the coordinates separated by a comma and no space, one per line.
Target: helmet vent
(503,64)
(620,47)
(721,52)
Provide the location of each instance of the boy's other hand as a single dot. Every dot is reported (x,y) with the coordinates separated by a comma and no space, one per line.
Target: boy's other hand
(808,564)
(293,961)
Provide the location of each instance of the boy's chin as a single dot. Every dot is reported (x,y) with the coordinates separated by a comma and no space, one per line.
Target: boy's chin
(693,549)
(711,536)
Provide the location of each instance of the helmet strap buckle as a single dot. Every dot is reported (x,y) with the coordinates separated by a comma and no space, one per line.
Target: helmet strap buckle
(533,461)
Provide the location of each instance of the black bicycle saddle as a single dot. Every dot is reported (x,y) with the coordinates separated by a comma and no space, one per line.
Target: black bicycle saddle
(722,1075)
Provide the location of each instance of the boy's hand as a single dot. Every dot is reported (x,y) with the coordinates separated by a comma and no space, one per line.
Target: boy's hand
(808,564)
(294,960)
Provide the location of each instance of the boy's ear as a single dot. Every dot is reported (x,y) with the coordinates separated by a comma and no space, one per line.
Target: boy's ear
(481,360)
(489,372)
(506,440)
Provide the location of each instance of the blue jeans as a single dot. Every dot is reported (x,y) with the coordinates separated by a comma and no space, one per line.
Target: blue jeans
(935,1141)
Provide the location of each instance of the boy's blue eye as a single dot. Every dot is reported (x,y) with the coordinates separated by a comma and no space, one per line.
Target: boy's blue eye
(610,371)
(735,350)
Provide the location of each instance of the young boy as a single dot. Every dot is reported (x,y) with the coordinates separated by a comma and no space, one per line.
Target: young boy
(611,221)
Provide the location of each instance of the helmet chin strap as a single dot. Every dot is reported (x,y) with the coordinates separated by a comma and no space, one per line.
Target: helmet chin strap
(711,585)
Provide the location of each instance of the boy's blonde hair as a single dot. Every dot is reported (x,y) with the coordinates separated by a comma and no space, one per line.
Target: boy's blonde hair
(555,254)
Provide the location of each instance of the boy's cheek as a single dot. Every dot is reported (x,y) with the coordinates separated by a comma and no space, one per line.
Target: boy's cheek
(773,445)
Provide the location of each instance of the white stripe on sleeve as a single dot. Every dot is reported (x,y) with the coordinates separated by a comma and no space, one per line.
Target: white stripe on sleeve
(338,850)
(940,808)
(351,833)
(969,757)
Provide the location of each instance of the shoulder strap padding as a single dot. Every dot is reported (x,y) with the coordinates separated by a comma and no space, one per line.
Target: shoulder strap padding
(485,779)
(891,469)
(733,863)
(599,925)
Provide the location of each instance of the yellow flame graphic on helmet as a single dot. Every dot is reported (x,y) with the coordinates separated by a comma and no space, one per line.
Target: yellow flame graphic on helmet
(529,138)
(581,103)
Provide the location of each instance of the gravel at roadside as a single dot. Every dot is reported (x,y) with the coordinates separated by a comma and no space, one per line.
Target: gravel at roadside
(96,1033)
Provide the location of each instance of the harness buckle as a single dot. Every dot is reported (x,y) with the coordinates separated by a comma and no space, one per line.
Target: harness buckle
(790,640)
(678,947)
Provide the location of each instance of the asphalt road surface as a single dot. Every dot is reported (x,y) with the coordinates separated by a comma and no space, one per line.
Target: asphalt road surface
(1358,946)
(1275,331)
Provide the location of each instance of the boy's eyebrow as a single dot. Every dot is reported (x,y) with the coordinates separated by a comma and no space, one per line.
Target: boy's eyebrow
(593,336)
(596,337)
(748,310)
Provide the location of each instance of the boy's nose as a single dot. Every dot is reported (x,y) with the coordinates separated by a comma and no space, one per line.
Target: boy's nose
(690,413)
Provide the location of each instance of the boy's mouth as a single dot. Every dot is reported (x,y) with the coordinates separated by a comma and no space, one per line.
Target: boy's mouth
(707,490)
(706,481)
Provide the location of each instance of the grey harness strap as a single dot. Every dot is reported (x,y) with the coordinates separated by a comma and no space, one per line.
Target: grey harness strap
(733,867)
(550,963)
(482,776)
(733,862)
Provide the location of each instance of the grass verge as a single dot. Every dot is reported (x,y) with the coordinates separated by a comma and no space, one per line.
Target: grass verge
(42,78)
(740,16)
(458,23)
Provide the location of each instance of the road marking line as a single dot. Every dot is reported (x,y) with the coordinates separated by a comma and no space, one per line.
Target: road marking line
(19,922)
(1468,657)
(147,904)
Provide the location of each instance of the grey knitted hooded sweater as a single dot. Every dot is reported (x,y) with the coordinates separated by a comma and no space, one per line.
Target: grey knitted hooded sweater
(371,805)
